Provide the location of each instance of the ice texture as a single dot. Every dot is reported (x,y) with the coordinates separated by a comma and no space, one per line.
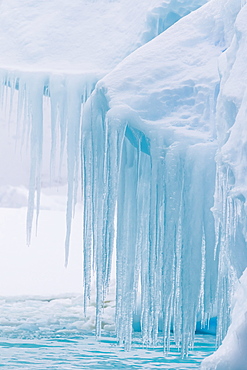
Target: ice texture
(232,353)
(154,133)
(150,139)
(165,13)
(86,35)
(41,58)
(230,198)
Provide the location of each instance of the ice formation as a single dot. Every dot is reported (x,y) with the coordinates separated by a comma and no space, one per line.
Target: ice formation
(154,155)
(230,197)
(232,353)
(157,134)
(40,65)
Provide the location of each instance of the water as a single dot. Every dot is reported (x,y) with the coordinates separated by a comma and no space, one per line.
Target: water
(63,351)
(36,334)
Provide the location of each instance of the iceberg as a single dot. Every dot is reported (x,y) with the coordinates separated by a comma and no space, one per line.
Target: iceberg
(61,53)
(150,140)
(150,112)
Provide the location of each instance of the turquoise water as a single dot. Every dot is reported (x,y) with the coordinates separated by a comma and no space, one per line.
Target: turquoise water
(33,338)
(59,351)
(62,351)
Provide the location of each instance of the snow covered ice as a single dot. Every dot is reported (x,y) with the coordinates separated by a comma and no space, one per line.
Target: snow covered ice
(147,120)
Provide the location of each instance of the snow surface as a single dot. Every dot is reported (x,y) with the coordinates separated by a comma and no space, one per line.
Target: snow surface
(83,35)
(161,143)
(232,353)
(80,36)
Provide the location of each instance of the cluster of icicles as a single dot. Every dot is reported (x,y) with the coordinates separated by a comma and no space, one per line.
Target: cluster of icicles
(150,201)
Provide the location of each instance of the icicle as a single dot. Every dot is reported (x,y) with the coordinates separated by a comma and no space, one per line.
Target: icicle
(93,198)
(68,94)
(164,247)
(163,236)
(35,88)
(21,113)
(171,284)
(73,141)
(57,90)
(126,243)
(78,88)
(226,220)
(87,190)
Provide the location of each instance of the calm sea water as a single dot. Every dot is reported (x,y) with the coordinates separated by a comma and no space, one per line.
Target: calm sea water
(33,336)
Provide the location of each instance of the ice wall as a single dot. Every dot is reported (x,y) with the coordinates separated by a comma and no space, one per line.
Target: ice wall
(230,205)
(164,231)
(153,150)
(149,160)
